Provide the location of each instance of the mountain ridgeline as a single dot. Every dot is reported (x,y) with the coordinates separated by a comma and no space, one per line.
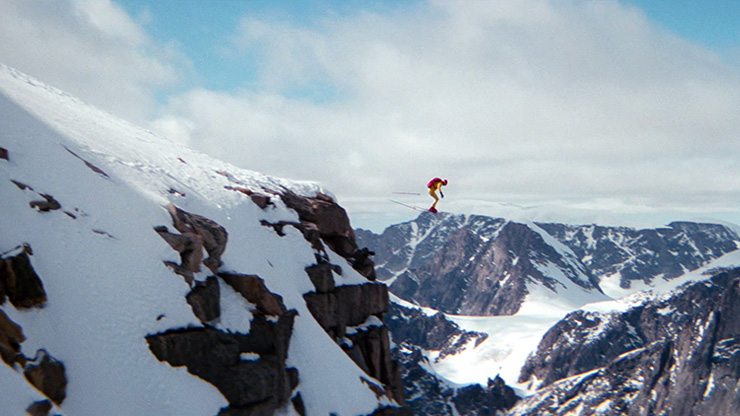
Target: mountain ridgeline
(478,265)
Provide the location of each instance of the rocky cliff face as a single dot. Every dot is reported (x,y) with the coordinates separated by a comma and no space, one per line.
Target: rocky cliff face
(21,285)
(678,355)
(351,314)
(647,254)
(414,332)
(474,265)
(148,256)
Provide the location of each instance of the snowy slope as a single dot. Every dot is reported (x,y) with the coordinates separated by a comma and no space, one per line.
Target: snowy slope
(102,267)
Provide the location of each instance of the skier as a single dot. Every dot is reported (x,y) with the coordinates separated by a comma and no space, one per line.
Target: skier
(434,185)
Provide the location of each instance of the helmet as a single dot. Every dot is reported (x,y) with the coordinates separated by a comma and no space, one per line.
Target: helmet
(444,181)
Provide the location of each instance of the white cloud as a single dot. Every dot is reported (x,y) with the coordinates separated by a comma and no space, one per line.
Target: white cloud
(531,100)
(90,48)
(519,101)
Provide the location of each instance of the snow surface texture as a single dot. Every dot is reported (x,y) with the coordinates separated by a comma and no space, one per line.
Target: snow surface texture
(103,270)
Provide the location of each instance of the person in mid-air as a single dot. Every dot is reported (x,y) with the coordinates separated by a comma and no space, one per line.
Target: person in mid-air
(435,185)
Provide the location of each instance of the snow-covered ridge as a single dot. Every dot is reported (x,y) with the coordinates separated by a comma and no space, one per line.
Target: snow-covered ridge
(151,163)
(86,193)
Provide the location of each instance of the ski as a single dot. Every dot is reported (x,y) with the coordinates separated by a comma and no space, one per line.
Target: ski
(414,207)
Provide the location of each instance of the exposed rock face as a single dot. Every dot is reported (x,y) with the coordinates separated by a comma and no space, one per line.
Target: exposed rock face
(331,221)
(19,281)
(681,356)
(199,229)
(205,299)
(11,337)
(472,265)
(432,333)
(475,400)
(47,374)
(253,387)
(481,266)
(351,314)
(253,289)
(3,153)
(413,331)
(645,254)
(40,408)
(20,284)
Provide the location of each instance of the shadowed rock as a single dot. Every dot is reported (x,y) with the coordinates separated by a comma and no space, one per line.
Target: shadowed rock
(19,281)
(47,374)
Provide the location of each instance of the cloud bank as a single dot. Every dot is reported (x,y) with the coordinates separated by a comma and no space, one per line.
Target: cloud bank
(577,104)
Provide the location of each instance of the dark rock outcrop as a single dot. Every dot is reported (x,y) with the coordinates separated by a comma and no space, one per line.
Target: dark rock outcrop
(251,386)
(253,289)
(413,331)
(492,400)
(19,281)
(351,314)
(679,355)
(11,337)
(432,333)
(347,306)
(48,375)
(39,408)
(212,236)
(248,369)
(45,205)
(205,299)
(196,233)
(4,153)
(332,223)
(429,396)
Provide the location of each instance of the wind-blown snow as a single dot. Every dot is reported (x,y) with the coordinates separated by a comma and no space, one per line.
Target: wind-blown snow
(103,270)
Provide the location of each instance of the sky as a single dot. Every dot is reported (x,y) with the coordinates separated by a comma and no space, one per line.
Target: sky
(607,111)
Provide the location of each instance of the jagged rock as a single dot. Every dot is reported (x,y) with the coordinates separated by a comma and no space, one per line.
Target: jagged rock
(345,306)
(190,247)
(254,290)
(682,358)
(262,200)
(205,299)
(251,387)
(432,333)
(212,235)
(425,393)
(21,186)
(333,225)
(48,204)
(298,404)
(47,374)
(471,265)
(645,254)
(19,281)
(39,408)
(3,153)
(350,306)
(11,337)
(309,230)
(322,276)
(475,400)
(370,349)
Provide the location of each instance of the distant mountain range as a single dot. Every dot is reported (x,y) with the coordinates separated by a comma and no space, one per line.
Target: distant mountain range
(477,265)
(442,266)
